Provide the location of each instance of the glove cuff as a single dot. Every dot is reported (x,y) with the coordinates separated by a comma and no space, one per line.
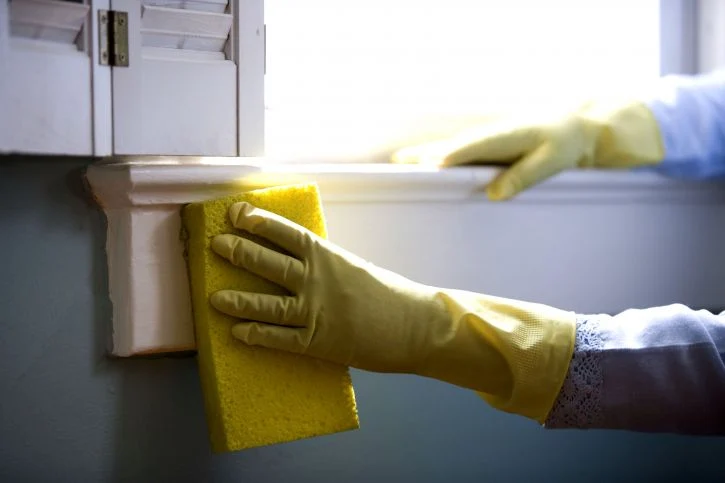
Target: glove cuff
(627,134)
(515,354)
(538,347)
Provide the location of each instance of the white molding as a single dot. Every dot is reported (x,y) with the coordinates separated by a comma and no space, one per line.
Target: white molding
(141,198)
(156,181)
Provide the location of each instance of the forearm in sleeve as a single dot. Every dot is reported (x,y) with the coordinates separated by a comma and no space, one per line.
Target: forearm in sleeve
(653,370)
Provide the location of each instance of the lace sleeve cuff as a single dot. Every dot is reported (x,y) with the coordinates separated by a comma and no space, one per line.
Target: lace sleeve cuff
(660,369)
(579,404)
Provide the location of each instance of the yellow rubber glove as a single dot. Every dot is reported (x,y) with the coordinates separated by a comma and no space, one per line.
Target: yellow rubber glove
(599,134)
(348,311)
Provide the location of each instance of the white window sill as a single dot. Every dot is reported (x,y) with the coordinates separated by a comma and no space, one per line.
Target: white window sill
(156,181)
(141,198)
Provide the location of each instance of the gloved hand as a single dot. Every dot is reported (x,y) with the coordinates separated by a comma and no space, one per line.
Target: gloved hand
(599,134)
(348,311)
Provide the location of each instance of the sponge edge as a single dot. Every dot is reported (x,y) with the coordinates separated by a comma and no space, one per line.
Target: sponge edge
(256,396)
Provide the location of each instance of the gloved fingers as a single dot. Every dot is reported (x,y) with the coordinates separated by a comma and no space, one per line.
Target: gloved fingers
(530,170)
(500,143)
(276,267)
(271,309)
(270,336)
(277,229)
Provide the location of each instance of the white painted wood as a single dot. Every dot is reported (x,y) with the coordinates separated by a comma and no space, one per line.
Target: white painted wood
(589,257)
(144,246)
(164,54)
(50,20)
(217,6)
(102,93)
(49,100)
(154,181)
(250,44)
(583,240)
(172,106)
(47,79)
(182,29)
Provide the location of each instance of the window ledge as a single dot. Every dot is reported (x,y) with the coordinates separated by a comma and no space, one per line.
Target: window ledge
(141,198)
(153,182)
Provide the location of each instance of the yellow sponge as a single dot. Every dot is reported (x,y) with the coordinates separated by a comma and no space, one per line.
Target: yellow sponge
(256,396)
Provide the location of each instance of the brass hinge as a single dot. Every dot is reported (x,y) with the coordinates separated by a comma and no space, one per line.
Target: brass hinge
(113,38)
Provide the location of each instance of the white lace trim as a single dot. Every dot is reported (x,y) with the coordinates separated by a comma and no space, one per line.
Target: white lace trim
(579,404)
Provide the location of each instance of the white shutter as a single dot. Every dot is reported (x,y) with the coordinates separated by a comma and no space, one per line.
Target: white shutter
(179,94)
(46,71)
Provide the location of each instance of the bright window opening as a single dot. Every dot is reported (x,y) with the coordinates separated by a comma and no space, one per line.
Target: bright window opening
(353,81)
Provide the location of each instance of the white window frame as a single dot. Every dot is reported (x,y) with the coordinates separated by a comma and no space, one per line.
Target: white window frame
(692,37)
(678,36)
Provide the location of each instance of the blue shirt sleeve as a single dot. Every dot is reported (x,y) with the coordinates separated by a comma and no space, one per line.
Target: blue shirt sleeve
(655,370)
(690,111)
